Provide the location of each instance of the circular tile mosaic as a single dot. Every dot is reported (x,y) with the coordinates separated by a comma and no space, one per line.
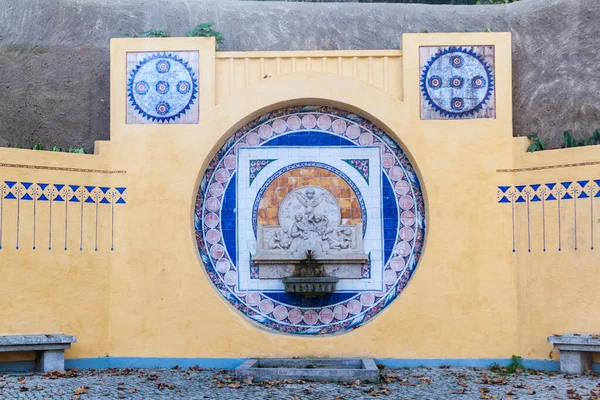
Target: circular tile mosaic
(457,82)
(400,216)
(162,87)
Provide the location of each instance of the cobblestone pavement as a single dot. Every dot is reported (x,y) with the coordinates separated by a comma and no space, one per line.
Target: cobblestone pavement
(196,383)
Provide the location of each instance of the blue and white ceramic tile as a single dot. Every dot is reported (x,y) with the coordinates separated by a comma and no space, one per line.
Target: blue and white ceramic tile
(162,87)
(457,82)
(390,202)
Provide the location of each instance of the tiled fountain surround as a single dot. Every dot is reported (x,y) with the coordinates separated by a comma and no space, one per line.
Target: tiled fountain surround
(332,157)
(387,191)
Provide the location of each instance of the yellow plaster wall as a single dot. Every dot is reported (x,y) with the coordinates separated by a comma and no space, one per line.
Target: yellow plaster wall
(470,297)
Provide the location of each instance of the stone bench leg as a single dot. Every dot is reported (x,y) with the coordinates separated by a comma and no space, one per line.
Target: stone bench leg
(50,360)
(575,362)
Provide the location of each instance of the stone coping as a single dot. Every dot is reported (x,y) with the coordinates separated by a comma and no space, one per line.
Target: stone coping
(575,339)
(12,340)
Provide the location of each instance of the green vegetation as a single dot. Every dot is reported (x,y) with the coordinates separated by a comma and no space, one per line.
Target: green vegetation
(515,366)
(205,30)
(568,141)
(536,144)
(150,33)
(38,146)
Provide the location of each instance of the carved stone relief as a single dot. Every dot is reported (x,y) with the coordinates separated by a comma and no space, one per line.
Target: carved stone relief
(309,220)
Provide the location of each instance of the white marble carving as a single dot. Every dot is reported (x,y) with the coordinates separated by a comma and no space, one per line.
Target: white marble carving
(309,220)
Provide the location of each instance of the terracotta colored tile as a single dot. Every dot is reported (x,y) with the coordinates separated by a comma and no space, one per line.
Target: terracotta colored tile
(335,191)
(344,203)
(346,214)
(272,212)
(262,215)
(303,181)
(345,221)
(345,194)
(292,181)
(282,192)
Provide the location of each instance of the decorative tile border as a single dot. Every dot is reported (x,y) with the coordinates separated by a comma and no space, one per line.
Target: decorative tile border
(582,191)
(256,166)
(457,82)
(582,164)
(361,165)
(59,193)
(404,220)
(50,168)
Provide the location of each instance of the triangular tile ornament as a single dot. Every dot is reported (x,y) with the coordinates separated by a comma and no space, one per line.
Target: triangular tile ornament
(59,186)
(535,187)
(74,199)
(104,201)
(59,198)
(503,188)
(26,185)
(583,195)
(89,200)
(42,185)
(504,200)
(26,197)
(582,183)
(120,201)
(551,197)
(566,184)
(567,196)
(90,189)
(536,198)
(74,187)
(10,196)
(10,184)
(43,198)
(550,185)
(120,190)
(520,187)
(104,189)
(597,181)
(520,200)
(597,194)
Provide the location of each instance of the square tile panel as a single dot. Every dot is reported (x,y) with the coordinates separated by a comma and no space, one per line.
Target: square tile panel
(162,88)
(457,82)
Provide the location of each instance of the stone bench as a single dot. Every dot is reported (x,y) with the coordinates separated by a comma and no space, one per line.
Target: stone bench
(49,349)
(575,351)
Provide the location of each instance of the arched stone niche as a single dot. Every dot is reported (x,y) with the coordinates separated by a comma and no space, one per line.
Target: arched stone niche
(347,156)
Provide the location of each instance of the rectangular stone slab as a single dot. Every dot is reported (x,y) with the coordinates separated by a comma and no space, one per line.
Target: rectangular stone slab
(36,339)
(570,339)
(323,370)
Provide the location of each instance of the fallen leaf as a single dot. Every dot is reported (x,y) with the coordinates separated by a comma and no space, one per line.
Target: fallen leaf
(81,390)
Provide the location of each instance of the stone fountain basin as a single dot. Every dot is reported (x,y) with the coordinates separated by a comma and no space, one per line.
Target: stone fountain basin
(310,369)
